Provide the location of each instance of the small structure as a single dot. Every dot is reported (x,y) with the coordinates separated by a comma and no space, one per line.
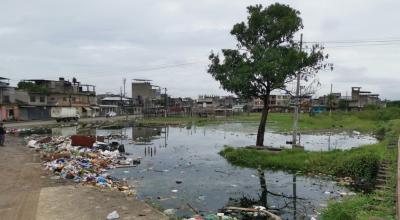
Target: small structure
(8,107)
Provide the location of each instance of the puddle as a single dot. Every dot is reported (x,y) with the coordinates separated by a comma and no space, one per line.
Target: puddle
(181,168)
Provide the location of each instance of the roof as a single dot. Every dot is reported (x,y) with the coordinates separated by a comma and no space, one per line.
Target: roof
(114,98)
(2,78)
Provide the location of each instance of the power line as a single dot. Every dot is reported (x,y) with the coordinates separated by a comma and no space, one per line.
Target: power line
(356,43)
(353,41)
(363,45)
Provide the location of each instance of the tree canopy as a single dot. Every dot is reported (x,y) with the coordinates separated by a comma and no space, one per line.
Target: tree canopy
(266,57)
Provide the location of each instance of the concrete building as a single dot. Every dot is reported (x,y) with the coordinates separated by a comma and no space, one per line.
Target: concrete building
(180,106)
(113,104)
(277,103)
(8,107)
(36,97)
(147,96)
(357,101)
(360,99)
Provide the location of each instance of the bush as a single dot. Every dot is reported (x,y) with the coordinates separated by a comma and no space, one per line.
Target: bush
(362,167)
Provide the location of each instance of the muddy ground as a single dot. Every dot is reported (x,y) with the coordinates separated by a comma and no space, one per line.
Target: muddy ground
(27,192)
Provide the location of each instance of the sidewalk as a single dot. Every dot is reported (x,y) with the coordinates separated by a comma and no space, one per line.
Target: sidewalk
(27,193)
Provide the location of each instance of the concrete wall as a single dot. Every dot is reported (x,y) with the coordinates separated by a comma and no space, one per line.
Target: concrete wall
(143,91)
(9,92)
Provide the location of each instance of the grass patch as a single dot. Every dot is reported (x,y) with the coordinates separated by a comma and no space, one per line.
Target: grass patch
(359,163)
(379,203)
(282,122)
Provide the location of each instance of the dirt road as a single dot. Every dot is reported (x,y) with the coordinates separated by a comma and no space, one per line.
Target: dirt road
(28,193)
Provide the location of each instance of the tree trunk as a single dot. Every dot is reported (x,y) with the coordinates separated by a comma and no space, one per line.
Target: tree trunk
(261,127)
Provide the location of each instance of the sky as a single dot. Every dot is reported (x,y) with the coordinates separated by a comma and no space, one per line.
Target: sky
(101,42)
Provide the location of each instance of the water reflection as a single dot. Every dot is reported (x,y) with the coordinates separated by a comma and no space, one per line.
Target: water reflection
(148,151)
(181,166)
(290,203)
(144,135)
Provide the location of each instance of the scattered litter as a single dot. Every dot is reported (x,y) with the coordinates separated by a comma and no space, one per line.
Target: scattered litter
(170,211)
(113,215)
(174,190)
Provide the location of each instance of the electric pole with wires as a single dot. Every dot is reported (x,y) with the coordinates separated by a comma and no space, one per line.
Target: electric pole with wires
(297,104)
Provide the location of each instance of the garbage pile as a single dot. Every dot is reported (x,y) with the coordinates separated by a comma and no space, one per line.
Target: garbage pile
(233,213)
(84,160)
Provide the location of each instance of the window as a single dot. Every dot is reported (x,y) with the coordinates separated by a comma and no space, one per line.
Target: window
(6,99)
(64,99)
(32,98)
(42,99)
(74,99)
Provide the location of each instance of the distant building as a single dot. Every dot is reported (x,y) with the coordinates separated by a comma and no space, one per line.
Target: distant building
(147,96)
(113,103)
(357,101)
(360,99)
(180,106)
(277,103)
(208,105)
(8,107)
(36,97)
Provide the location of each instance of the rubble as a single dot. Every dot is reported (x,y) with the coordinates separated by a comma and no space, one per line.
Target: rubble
(87,165)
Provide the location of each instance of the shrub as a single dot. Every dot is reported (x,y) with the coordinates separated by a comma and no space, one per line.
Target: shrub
(362,167)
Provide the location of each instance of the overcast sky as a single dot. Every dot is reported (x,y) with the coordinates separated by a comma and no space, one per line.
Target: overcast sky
(168,41)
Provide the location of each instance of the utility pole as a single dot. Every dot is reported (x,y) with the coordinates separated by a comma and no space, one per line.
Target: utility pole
(330,102)
(297,99)
(124,82)
(166,100)
(120,101)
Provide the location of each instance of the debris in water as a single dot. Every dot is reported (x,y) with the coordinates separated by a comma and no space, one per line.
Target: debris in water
(170,211)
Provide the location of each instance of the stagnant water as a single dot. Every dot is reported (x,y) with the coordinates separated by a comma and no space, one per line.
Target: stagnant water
(181,169)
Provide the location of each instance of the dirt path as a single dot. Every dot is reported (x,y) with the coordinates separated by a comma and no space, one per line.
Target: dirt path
(26,192)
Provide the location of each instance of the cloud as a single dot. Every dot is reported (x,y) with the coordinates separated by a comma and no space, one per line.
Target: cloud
(101,41)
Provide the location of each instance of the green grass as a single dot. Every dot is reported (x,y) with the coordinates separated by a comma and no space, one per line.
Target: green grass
(358,163)
(364,206)
(282,122)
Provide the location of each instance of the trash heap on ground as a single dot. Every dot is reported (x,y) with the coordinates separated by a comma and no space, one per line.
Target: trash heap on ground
(84,159)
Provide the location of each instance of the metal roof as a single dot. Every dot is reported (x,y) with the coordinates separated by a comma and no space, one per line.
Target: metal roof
(114,98)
